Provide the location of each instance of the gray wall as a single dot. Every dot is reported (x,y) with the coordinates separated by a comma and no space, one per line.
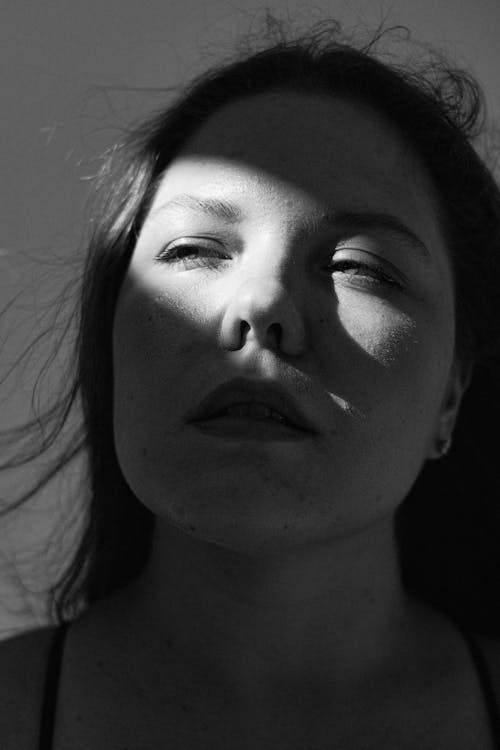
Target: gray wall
(64,66)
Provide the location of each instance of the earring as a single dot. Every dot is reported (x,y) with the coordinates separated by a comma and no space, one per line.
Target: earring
(444,446)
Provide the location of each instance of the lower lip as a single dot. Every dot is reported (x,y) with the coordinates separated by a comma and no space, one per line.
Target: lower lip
(250,429)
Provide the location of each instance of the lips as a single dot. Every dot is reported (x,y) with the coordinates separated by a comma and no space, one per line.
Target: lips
(246,391)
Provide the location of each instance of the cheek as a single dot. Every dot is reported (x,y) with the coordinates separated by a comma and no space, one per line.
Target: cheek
(154,333)
(396,362)
(153,345)
(162,339)
(386,335)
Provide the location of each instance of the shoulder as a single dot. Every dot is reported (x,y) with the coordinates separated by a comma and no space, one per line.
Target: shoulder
(23,662)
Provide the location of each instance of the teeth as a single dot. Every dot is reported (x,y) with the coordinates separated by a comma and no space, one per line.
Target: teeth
(255,411)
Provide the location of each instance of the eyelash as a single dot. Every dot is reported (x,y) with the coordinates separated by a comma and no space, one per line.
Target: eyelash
(380,275)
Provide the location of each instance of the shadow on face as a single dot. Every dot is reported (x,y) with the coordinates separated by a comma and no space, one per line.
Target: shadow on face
(294,238)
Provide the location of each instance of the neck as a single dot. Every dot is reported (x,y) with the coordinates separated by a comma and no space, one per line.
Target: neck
(337,609)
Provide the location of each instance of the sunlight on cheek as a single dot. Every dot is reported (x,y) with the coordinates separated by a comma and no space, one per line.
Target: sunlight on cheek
(384,333)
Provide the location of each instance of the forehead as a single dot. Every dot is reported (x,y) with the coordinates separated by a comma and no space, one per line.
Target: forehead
(270,126)
(290,150)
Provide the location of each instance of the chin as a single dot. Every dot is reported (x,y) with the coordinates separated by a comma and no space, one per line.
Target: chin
(261,510)
(258,529)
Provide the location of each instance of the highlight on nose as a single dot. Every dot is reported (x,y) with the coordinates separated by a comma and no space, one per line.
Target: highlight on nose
(265,311)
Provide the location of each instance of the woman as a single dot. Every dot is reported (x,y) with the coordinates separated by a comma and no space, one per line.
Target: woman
(286,325)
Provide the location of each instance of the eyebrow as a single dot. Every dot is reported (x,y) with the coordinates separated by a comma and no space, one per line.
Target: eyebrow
(229,211)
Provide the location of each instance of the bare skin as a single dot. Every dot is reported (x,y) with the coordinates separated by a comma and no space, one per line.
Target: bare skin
(271,612)
(115,692)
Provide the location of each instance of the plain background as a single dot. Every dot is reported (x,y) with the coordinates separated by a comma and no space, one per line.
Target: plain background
(73,74)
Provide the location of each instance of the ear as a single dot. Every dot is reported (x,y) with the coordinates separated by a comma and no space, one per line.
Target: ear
(458,381)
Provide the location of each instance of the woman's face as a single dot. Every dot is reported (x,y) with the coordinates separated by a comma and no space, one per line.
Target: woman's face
(354,317)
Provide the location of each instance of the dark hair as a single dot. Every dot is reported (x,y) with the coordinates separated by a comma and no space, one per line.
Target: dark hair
(447,527)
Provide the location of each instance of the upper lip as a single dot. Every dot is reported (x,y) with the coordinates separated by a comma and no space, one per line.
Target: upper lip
(243,390)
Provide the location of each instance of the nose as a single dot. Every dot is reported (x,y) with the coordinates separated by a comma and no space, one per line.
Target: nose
(262,310)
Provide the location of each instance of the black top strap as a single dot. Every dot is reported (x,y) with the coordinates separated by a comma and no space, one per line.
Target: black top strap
(51,685)
(489,675)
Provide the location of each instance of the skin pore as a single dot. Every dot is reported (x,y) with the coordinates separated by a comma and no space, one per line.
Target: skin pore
(273,586)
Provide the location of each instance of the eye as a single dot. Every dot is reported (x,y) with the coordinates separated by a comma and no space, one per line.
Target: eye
(366,274)
(190,254)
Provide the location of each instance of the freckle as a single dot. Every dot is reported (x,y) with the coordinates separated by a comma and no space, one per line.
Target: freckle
(184,708)
(285,526)
(192,528)
(150,318)
(170,643)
